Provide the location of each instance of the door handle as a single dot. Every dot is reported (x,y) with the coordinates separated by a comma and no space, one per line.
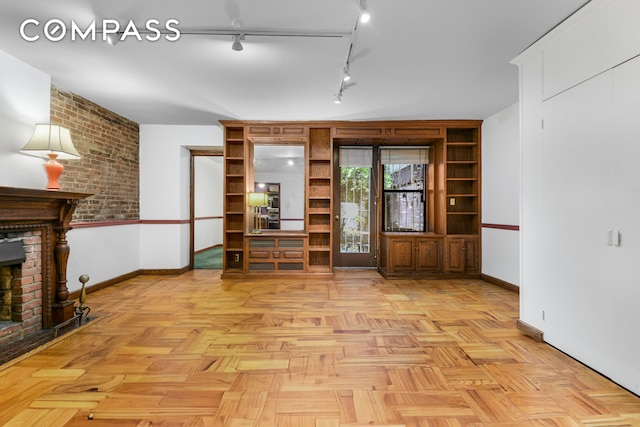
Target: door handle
(337,217)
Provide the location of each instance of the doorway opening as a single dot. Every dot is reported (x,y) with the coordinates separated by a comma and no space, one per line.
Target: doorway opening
(355,242)
(206,209)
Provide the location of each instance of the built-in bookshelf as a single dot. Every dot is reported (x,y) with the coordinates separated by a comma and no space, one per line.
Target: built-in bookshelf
(234,199)
(462,196)
(319,199)
(462,190)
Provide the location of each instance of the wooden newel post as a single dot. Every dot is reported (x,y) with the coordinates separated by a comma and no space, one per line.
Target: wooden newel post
(62,309)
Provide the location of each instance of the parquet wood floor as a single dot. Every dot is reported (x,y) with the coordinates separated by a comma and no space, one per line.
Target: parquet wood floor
(356,350)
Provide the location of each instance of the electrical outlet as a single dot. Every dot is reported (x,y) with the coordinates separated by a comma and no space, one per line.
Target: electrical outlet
(236,257)
(452,201)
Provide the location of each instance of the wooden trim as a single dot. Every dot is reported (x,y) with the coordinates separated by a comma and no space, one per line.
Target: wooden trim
(528,330)
(365,124)
(122,278)
(167,271)
(104,223)
(275,274)
(217,151)
(134,222)
(498,282)
(204,218)
(165,221)
(502,227)
(105,284)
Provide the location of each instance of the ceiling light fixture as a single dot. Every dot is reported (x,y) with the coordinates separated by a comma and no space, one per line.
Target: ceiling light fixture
(365,16)
(345,74)
(237,46)
(345,77)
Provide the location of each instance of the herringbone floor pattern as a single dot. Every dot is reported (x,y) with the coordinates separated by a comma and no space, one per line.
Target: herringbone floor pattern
(356,350)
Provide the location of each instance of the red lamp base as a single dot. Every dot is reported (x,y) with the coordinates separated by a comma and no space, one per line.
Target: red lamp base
(53,169)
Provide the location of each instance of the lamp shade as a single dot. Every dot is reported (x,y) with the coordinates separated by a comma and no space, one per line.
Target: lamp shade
(257,199)
(49,138)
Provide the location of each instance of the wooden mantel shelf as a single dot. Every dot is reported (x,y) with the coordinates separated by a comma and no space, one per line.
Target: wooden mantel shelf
(26,209)
(19,204)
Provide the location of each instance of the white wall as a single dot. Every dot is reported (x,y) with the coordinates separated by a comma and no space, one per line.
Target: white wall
(501,195)
(579,180)
(25,95)
(208,201)
(103,253)
(165,180)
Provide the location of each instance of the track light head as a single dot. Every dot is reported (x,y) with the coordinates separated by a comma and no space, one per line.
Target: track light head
(345,75)
(337,98)
(365,16)
(237,46)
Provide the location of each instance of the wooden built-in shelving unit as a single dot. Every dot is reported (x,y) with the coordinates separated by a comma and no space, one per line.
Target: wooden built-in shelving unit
(449,247)
(462,199)
(462,161)
(235,206)
(319,200)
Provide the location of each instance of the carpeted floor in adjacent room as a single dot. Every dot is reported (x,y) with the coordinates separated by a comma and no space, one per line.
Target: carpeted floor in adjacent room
(210,259)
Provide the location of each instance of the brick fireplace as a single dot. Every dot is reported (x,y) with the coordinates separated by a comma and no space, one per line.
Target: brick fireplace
(33,291)
(20,285)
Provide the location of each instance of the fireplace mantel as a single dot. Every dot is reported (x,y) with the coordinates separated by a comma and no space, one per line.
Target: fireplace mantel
(26,209)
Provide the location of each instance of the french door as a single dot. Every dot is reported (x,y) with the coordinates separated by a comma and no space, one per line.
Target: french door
(355,213)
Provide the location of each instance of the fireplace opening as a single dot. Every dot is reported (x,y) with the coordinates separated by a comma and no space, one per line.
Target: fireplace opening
(12,255)
(21,285)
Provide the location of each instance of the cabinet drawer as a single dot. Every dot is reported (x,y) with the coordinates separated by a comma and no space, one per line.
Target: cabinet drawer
(293,254)
(259,254)
(276,254)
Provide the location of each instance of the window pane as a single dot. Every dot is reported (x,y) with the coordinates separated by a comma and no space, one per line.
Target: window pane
(404,211)
(403,195)
(403,177)
(354,209)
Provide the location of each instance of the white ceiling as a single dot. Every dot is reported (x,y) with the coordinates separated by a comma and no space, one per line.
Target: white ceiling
(415,59)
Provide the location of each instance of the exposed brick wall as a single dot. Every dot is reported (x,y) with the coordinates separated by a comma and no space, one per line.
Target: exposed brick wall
(27,285)
(109,168)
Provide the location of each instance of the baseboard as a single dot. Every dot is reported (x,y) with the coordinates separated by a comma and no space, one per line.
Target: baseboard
(105,284)
(528,330)
(499,282)
(166,272)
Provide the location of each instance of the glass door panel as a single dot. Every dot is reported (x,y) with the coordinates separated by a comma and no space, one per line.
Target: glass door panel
(356,235)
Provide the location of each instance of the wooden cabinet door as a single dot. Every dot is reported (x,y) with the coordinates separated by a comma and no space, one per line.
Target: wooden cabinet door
(429,255)
(401,256)
(472,255)
(455,255)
